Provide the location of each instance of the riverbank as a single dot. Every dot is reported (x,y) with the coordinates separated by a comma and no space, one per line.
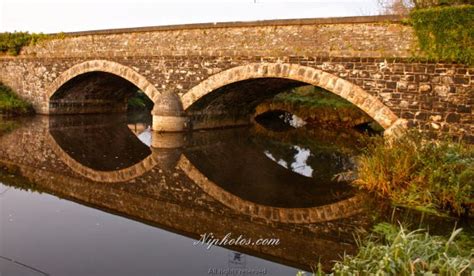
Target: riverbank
(433,179)
(415,172)
(404,241)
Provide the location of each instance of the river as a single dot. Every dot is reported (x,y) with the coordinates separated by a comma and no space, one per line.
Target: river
(104,195)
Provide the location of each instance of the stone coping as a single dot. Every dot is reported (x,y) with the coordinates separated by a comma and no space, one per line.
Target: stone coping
(239,24)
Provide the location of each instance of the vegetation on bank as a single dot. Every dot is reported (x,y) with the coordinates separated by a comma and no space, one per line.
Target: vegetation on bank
(434,176)
(396,251)
(445,33)
(10,104)
(319,107)
(312,97)
(11,43)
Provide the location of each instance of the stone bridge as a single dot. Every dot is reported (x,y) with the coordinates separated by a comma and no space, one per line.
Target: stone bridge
(213,75)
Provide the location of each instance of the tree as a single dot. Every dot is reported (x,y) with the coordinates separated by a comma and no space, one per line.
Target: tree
(403,7)
(400,7)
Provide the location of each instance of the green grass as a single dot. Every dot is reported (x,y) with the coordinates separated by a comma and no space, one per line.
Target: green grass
(312,97)
(10,104)
(393,250)
(396,251)
(435,176)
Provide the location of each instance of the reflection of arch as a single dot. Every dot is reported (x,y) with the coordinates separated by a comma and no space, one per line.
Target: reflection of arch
(121,175)
(104,66)
(328,212)
(345,89)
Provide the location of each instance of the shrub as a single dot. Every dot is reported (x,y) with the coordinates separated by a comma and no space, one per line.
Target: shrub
(415,172)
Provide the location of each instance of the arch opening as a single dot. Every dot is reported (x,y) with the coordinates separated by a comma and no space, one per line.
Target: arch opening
(230,97)
(99,86)
(279,105)
(96,92)
(235,103)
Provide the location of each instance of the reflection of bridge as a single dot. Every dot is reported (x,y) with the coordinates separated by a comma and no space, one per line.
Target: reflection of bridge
(340,209)
(171,193)
(147,160)
(201,83)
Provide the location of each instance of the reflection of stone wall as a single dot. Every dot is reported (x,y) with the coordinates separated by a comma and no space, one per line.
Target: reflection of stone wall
(371,52)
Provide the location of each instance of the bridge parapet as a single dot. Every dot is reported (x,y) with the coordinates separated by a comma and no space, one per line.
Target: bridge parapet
(370,36)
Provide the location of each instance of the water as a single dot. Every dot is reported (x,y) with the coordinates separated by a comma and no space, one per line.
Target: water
(104,195)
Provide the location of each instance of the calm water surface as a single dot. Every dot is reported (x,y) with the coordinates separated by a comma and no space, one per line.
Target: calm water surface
(103,195)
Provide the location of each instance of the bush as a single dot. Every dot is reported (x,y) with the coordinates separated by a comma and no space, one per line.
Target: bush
(446,33)
(414,172)
(392,251)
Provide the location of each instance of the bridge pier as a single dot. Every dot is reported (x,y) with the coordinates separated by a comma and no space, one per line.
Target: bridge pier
(169,123)
(168,114)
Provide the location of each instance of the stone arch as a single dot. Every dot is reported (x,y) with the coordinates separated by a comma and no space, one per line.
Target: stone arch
(121,175)
(341,209)
(392,124)
(106,66)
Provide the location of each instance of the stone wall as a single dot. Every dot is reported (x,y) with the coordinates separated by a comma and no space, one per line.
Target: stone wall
(380,36)
(372,53)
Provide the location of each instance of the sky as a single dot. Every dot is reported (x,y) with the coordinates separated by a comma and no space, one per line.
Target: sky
(51,16)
